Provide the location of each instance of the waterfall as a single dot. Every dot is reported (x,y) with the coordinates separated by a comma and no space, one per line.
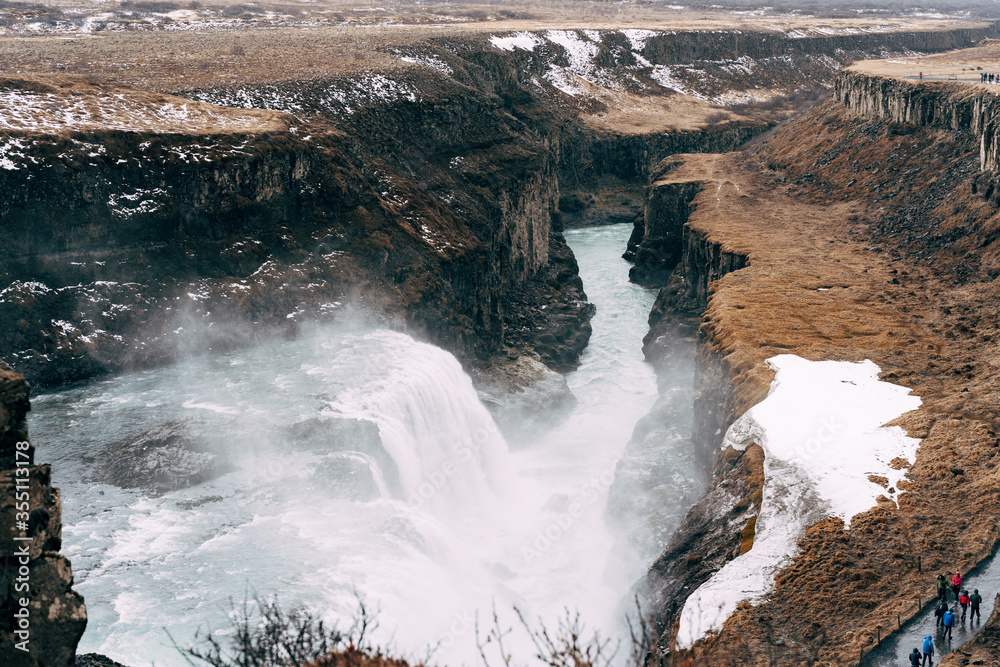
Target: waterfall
(355,460)
(447,448)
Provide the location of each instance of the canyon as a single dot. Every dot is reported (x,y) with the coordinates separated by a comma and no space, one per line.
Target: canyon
(149,221)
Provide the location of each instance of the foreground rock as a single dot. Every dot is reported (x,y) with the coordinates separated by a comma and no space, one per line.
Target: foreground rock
(55,613)
(95,660)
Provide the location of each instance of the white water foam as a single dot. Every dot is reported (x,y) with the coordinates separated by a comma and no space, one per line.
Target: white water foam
(433,522)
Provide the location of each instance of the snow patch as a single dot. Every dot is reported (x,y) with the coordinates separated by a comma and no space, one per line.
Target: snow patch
(429,61)
(821,428)
(638,38)
(341,97)
(579,52)
(135,203)
(662,75)
(52,112)
(13,148)
(522,40)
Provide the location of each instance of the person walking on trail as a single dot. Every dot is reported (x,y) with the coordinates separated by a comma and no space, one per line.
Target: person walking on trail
(915,658)
(949,623)
(956,583)
(928,651)
(974,601)
(942,586)
(939,611)
(963,600)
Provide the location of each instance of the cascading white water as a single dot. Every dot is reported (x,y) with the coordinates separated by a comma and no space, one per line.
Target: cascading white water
(449,452)
(432,518)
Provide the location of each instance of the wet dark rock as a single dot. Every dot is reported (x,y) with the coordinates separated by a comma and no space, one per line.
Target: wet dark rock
(711,534)
(167,458)
(13,411)
(551,316)
(58,615)
(198,502)
(95,660)
(525,397)
(668,206)
(356,447)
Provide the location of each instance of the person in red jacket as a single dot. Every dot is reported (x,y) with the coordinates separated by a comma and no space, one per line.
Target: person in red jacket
(963,600)
(956,583)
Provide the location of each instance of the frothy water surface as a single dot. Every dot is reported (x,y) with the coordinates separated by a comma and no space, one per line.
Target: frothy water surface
(432,518)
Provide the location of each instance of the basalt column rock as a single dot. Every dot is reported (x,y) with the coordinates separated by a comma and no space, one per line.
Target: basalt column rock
(41,617)
(668,206)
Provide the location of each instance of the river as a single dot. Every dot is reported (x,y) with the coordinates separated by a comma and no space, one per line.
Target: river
(432,518)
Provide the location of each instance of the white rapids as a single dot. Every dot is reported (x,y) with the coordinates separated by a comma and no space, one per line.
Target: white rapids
(434,519)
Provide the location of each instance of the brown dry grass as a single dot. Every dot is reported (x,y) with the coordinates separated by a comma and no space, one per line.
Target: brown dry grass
(44,102)
(171,61)
(628,113)
(961,65)
(911,321)
(355,658)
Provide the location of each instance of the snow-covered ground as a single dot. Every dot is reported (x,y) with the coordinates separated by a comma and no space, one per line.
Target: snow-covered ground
(340,98)
(822,431)
(111,110)
(578,64)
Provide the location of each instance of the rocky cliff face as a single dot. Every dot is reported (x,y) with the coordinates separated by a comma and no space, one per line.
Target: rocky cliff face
(132,243)
(128,252)
(42,617)
(685,47)
(875,247)
(958,107)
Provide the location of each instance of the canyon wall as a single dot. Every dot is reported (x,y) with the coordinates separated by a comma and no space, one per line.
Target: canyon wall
(41,617)
(856,231)
(133,247)
(958,107)
(689,46)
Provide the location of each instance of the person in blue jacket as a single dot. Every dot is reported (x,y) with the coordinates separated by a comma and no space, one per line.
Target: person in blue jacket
(949,623)
(928,650)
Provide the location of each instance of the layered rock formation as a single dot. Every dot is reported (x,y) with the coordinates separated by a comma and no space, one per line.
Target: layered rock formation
(848,235)
(152,226)
(41,617)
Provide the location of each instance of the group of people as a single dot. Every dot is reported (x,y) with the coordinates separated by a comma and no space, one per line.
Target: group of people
(989,78)
(945,615)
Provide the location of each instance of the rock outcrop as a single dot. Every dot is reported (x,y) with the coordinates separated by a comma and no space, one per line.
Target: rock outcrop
(41,617)
(668,206)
